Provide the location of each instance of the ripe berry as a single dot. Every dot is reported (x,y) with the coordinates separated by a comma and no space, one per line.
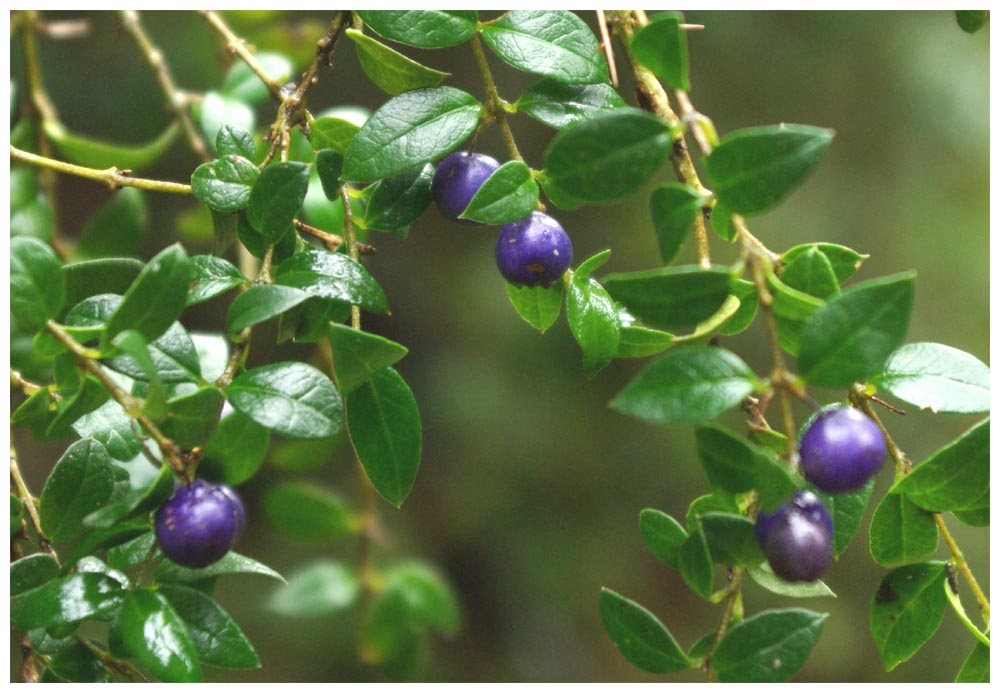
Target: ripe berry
(841,450)
(798,538)
(199,524)
(533,251)
(456,180)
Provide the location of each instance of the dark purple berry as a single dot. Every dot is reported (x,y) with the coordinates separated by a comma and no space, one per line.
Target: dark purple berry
(456,180)
(199,524)
(797,539)
(841,450)
(534,251)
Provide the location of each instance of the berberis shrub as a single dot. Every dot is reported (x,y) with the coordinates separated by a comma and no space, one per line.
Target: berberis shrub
(116,559)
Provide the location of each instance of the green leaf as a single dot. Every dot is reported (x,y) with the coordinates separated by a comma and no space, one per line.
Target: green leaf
(979,517)
(695,562)
(722,221)
(322,588)
(729,460)
(768,647)
(714,502)
(976,667)
(956,477)
(31,571)
(357,355)
(844,261)
(390,638)
(765,577)
(307,512)
(93,277)
(410,129)
(216,110)
(172,358)
(423,28)
(509,194)
(332,133)
(332,276)
(641,638)
(811,272)
(234,454)
(901,532)
(937,377)
(70,599)
(132,552)
(593,320)
(260,303)
(37,285)
(75,664)
(94,153)
(431,600)
(137,501)
(663,535)
(384,424)
(755,168)
(851,337)
(155,636)
(155,299)
(398,201)
(635,341)
(539,306)
(254,240)
(906,610)
(671,297)
(224,184)
(609,155)
(235,141)
(560,105)
(687,386)
(390,70)
(847,511)
(731,539)
(673,208)
(30,212)
(79,401)
(276,197)
(212,276)
(553,43)
(192,418)
(291,398)
(231,563)
(117,228)
(242,83)
(81,482)
(16,514)
(215,636)
(971,21)
(101,538)
(329,167)
(791,309)
(661,46)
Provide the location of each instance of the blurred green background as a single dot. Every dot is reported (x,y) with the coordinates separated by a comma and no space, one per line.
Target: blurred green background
(530,487)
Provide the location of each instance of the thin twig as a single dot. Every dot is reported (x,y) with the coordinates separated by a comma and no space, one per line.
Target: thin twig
(238,46)
(113,177)
(963,567)
(494,103)
(28,501)
(331,240)
(609,51)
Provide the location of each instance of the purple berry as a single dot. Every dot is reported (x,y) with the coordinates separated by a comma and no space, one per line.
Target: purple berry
(456,180)
(534,251)
(797,539)
(199,524)
(841,450)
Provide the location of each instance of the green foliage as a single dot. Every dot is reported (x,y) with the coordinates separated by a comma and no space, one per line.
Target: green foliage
(642,639)
(592,316)
(509,194)
(538,305)
(37,285)
(392,71)
(906,610)
(671,297)
(423,28)
(901,532)
(661,46)
(307,512)
(291,398)
(317,590)
(768,647)
(937,377)
(673,208)
(560,105)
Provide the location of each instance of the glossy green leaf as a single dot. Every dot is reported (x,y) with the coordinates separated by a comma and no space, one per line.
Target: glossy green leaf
(357,355)
(673,208)
(729,460)
(410,129)
(754,169)
(332,133)
(320,589)
(329,167)
(70,599)
(901,532)
(215,636)
(235,141)
(560,105)
(539,306)
(906,610)
(103,538)
(768,647)
(37,285)
(307,512)
(310,321)
(976,667)
(847,510)
(812,273)
(31,571)
(217,109)
(333,276)
(765,577)
(212,276)
(776,480)
(791,309)
(155,299)
(117,228)
(173,358)
(671,297)
(663,535)
(608,155)
(234,454)
(192,418)
(979,517)
(398,201)
(254,240)
(94,153)
(260,303)
(553,43)
(687,386)
(77,402)
(30,211)
(423,28)
(937,377)
(844,261)
(75,664)
(661,46)
(135,502)
(229,564)
(956,477)
(94,277)
(635,341)
(243,84)
(384,424)
(641,638)
(722,221)
(156,637)
(971,21)
(593,320)
(430,599)
(132,552)
(695,562)
(291,398)
(509,194)
(390,70)
(731,539)
(851,337)
(276,197)
(81,482)
(715,502)
(224,184)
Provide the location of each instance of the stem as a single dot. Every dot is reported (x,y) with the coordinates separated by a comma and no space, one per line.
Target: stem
(963,567)
(493,101)
(175,99)
(28,501)
(331,240)
(121,666)
(727,615)
(902,463)
(237,46)
(113,177)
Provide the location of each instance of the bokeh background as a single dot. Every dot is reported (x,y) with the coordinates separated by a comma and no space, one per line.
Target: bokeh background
(530,487)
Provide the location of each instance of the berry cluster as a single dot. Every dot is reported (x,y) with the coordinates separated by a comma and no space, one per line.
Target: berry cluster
(840,450)
(199,524)
(534,251)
